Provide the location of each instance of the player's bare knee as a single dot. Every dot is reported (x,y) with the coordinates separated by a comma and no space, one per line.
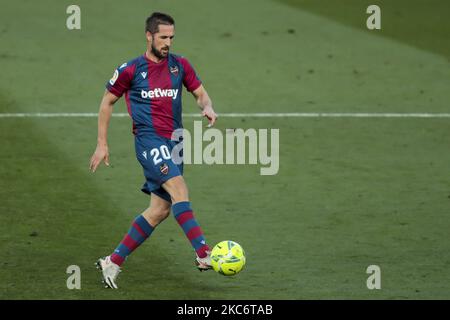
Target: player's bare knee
(177,189)
(155,215)
(163,213)
(179,197)
(160,214)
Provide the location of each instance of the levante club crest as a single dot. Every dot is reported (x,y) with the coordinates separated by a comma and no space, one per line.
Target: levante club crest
(174,70)
(164,168)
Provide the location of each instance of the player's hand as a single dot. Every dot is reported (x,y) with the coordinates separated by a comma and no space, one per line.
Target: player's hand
(101,154)
(209,113)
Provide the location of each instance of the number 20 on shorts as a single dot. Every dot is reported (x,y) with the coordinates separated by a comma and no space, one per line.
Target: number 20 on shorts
(156,153)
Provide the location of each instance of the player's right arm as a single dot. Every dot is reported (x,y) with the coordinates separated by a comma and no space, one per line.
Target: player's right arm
(104,116)
(115,88)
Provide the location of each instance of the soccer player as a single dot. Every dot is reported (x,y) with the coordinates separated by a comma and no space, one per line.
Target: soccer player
(152,85)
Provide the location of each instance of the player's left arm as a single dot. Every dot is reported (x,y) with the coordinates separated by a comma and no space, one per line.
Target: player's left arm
(205,104)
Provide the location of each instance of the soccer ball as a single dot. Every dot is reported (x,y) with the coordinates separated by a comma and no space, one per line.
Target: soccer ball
(227,258)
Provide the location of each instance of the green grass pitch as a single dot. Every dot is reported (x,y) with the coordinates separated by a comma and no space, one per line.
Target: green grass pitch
(350,192)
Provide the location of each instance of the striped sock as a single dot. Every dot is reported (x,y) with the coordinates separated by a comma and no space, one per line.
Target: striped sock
(138,233)
(185,218)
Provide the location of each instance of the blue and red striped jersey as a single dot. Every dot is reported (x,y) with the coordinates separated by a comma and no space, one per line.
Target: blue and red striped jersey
(153,92)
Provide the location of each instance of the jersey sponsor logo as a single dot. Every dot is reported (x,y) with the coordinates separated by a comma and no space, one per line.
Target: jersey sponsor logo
(159,93)
(143,74)
(114,77)
(144,154)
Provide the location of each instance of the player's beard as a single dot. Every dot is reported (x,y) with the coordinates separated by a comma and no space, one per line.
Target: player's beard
(160,54)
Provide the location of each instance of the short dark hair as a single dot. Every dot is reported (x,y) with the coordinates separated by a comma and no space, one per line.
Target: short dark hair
(152,23)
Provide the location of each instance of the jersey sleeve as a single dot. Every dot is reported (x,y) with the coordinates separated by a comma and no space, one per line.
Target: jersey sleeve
(190,78)
(121,80)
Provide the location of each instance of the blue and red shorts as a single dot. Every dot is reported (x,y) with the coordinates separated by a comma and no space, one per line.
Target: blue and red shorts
(154,153)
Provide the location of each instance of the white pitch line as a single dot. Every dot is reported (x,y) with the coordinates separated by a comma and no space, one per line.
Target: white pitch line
(241,115)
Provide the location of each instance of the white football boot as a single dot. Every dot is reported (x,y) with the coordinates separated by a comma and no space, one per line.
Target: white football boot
(110,271)
(204,264)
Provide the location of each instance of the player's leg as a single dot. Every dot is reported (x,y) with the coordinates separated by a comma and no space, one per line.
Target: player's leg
(141,228)
(144,224)
(158,211)
(177,189)
(184,215)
